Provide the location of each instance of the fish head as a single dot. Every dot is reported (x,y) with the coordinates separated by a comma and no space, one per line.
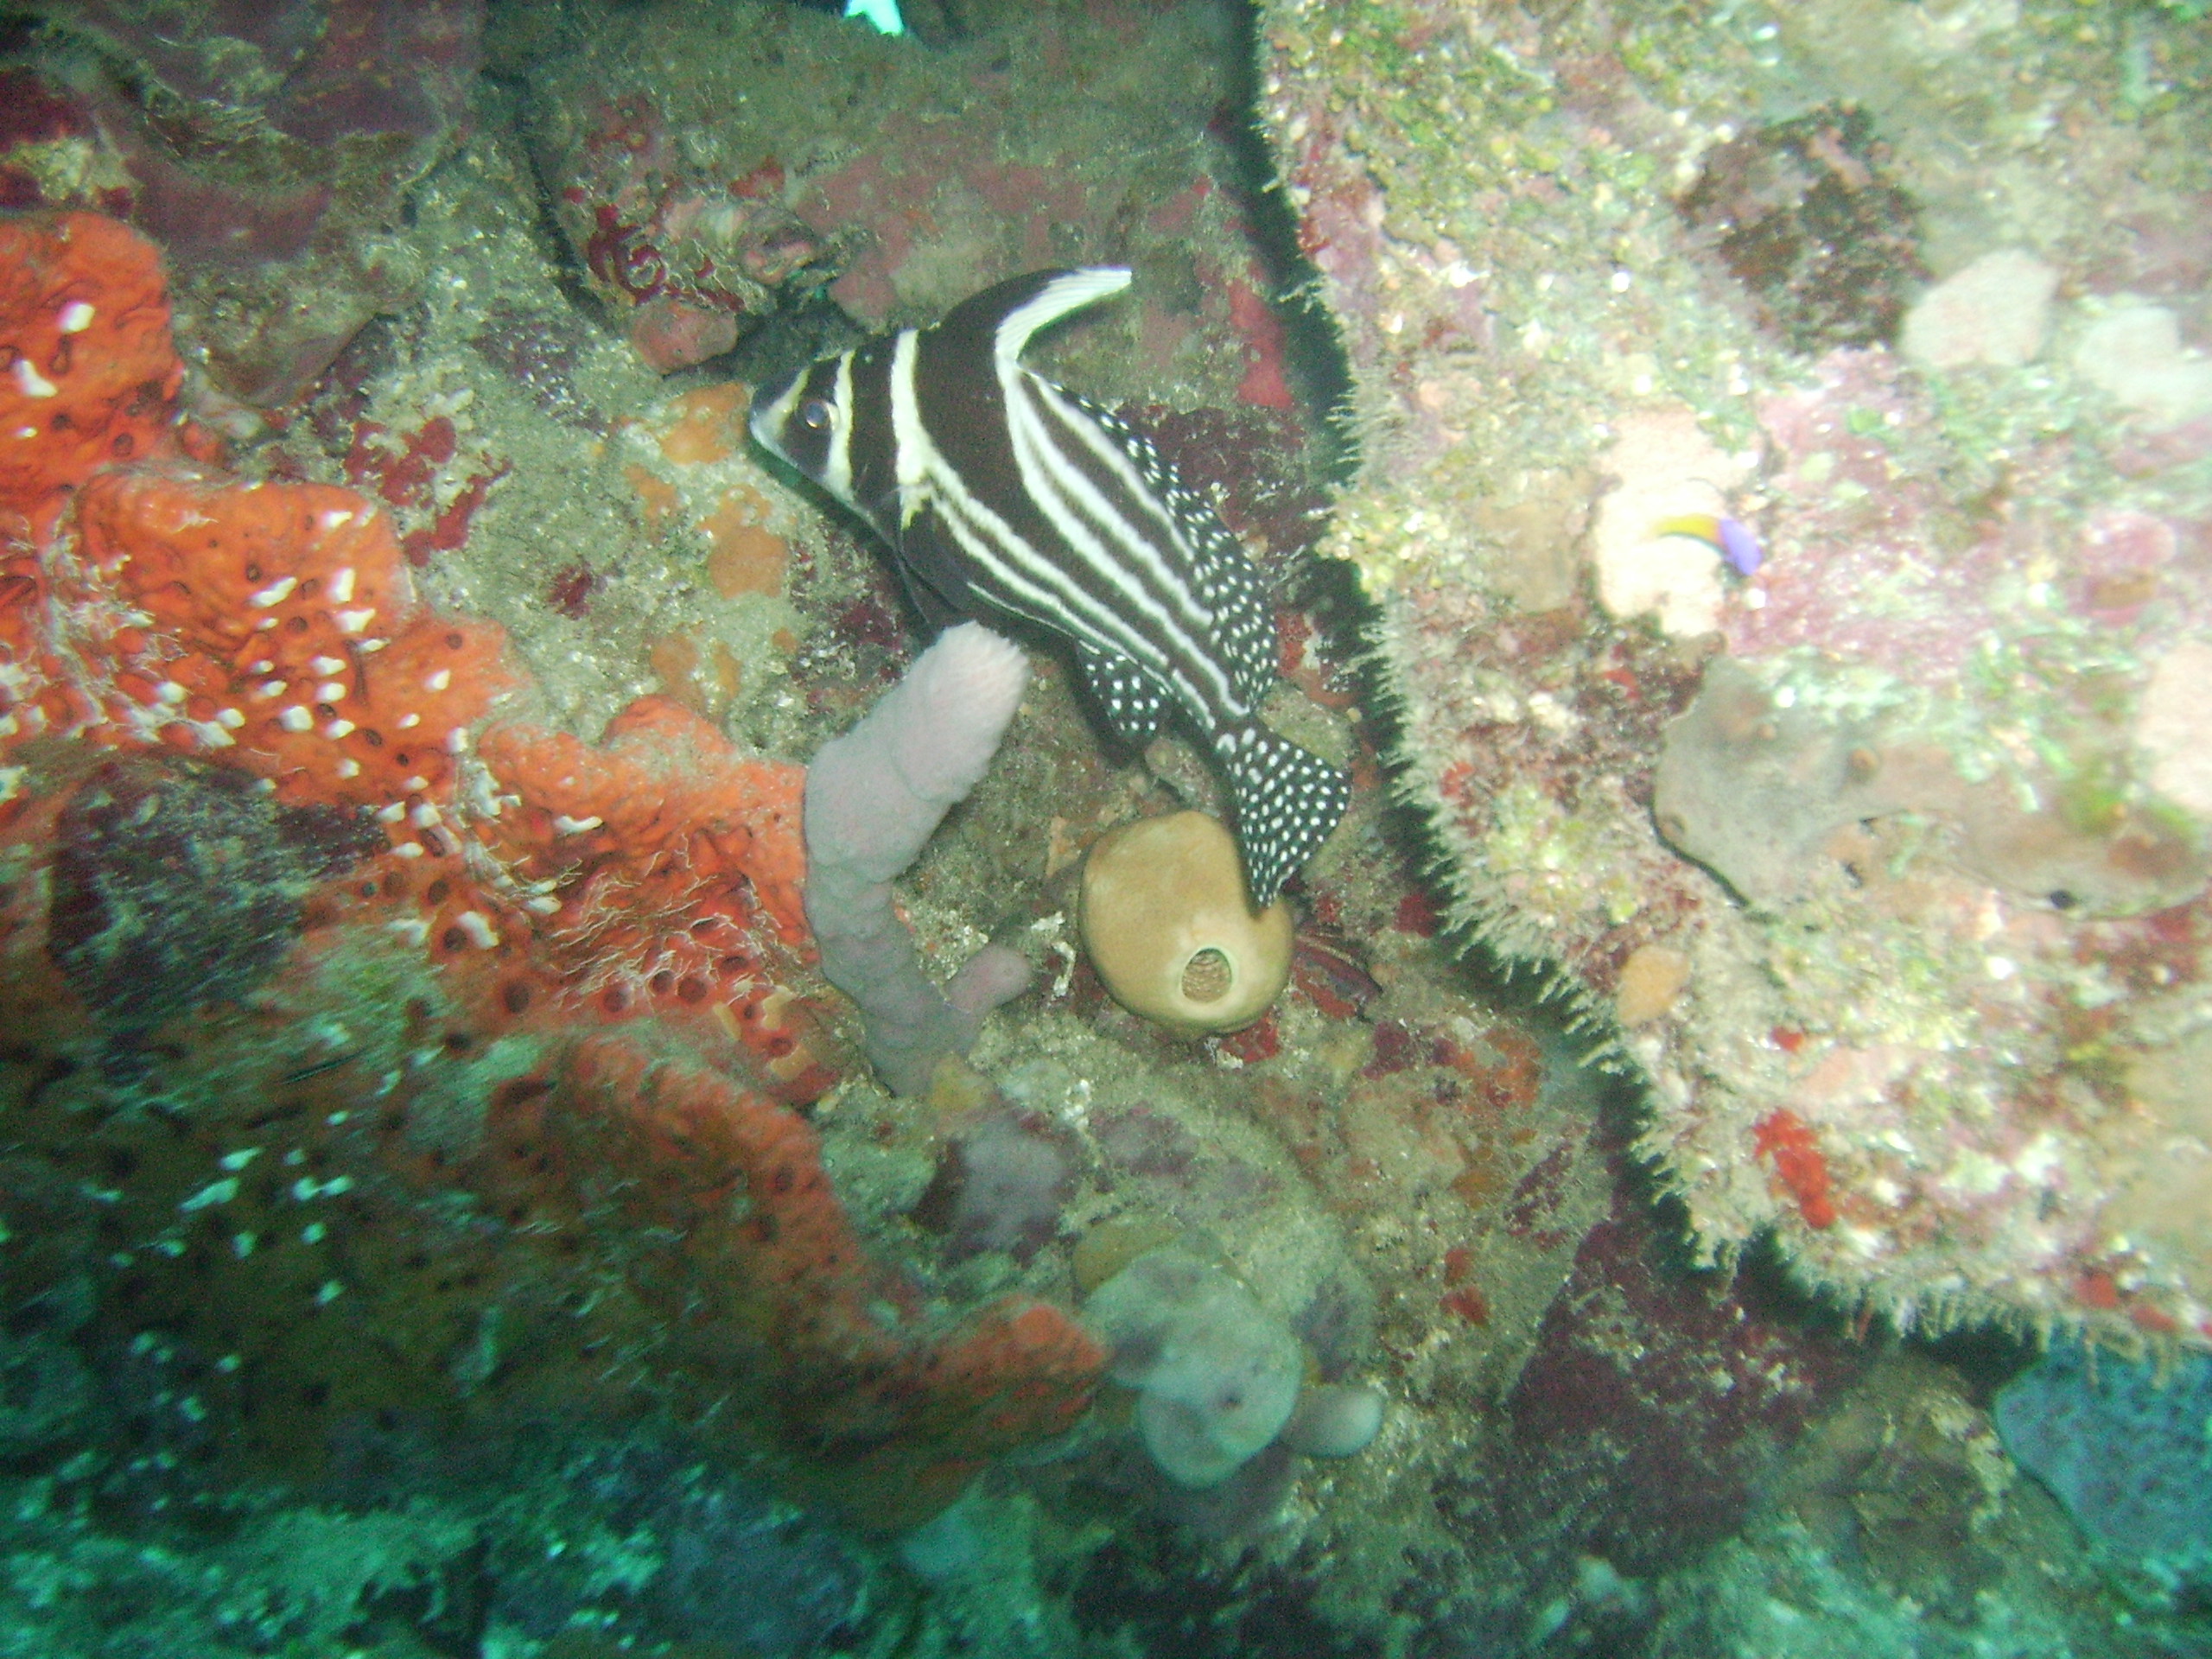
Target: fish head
(805,421)
(831,421)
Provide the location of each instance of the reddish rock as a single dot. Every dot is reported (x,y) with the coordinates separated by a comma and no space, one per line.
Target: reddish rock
(670,334)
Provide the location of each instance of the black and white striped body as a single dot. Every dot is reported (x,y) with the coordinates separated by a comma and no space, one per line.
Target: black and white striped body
(1002,492)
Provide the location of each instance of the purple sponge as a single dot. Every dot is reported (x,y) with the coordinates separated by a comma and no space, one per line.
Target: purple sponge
(873,796)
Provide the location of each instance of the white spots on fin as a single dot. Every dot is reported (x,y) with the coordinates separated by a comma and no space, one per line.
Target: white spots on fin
(1131,698)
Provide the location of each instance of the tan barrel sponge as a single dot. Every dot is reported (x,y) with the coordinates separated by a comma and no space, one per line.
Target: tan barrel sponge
(1172,932)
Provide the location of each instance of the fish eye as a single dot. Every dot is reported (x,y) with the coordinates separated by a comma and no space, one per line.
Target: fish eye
(815,415)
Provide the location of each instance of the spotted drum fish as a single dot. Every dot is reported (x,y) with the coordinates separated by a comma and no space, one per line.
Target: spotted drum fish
(1002,493)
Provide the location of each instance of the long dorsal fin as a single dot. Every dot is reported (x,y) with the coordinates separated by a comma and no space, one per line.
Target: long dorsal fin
(1003,318)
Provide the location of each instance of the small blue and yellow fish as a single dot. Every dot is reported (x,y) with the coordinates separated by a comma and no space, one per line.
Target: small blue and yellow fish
(1732,540)
(1000,493)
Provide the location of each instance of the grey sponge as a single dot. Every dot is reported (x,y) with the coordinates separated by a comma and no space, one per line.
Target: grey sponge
(1218,1375)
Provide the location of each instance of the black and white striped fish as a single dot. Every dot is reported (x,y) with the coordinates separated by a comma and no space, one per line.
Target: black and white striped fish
(999,492)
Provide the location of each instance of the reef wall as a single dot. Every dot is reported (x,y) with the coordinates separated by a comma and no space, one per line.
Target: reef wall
(1786,498)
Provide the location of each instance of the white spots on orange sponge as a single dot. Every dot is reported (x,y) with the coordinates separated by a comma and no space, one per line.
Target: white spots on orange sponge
(480,932)
(425,814)
(440,680)
(391,812)
(566,825)
(297,718)
(353,621)
(409,723)
(31,382)
(338,729)
(275,594)
(221,1191)
(327,666)
(76,317)
(457,740)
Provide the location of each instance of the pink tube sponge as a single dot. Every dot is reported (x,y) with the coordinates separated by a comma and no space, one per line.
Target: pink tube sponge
(874,797)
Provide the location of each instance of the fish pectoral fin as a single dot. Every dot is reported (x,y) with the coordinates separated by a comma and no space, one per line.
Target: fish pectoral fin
(1288,799)
(1131,699)
(937,615)
(930,573)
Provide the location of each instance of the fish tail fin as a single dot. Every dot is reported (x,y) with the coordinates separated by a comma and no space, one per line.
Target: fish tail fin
(1288,799)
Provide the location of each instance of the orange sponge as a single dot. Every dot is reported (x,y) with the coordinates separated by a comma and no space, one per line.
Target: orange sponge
(88,377)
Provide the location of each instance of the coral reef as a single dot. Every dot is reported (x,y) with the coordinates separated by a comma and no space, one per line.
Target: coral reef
(1881,858)
(446,1012)
(180,886)
(270,151)
(737,1567)
(874,797)
(1804,214)
(690,259)
(445,1218)
(1171,929)
(704,206)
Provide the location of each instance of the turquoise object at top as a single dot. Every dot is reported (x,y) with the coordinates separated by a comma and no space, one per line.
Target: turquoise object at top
(884,14)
